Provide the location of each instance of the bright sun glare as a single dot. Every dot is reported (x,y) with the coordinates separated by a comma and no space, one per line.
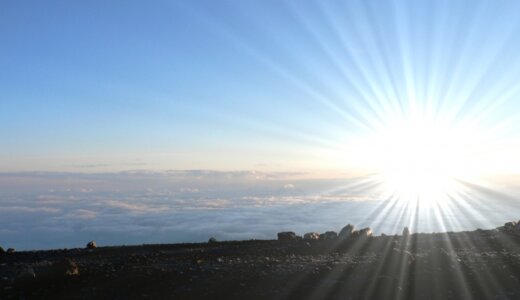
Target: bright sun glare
(422,159)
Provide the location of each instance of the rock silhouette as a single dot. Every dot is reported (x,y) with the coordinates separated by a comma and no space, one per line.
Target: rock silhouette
(286,236)
(311,236)
(347,231)
(91,245)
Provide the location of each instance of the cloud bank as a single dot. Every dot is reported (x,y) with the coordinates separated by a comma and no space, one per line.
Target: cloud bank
(57,210)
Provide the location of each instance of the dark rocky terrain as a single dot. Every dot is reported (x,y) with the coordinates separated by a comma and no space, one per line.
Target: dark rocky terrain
(482,264)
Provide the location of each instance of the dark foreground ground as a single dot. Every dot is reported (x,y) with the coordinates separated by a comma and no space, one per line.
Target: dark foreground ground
(467,265)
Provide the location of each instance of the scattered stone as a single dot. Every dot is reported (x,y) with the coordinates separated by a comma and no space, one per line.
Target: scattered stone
(91,245)
(365,232)
(400,255)
(347,231)
(311,236)
(329,235)
(286,236)
(65,267)
(212,240)
(10,250)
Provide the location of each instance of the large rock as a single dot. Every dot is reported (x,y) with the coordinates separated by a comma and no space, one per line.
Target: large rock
(329,235)
(510,226)
(91,245)
(365,232)
(516,229)
(311,236)
(65,267)
(347,231)
(286,236)
(406,232)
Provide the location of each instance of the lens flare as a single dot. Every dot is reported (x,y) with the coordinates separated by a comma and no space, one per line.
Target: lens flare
(422,158)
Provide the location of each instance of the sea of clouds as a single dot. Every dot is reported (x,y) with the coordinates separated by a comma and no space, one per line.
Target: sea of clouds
(64,210)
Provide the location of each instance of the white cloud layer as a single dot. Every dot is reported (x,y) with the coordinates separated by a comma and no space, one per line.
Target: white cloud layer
(54,210)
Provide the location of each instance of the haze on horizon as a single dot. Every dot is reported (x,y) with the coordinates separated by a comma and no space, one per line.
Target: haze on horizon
(390,101)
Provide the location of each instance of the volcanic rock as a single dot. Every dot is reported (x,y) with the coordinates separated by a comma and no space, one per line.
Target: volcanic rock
(286,236)
(517,228)
(346,231)
(365,232)
(329,235)
(406,232)
(311,236)
(91,245)
(402,255)
(510,226)
(65,267)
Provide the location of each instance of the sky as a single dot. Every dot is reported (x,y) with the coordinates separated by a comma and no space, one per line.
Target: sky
(243,85)
(134,121)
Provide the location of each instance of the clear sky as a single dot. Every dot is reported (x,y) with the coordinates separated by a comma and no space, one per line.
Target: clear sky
(236,85)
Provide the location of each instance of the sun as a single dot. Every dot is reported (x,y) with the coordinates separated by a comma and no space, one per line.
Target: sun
(421,158)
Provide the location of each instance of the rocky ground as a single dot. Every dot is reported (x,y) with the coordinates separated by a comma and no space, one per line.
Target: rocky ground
(483,264)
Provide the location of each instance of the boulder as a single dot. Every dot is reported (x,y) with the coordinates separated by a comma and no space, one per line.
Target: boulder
(517,228)
(212,240)
(510,226)
(91,245)
(311,236)
(365,232)
(65,267)
(10,250)
(406,232)
(329,235)
(347,231)
(286,236)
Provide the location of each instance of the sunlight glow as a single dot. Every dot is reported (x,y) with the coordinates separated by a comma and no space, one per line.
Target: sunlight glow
(423,159)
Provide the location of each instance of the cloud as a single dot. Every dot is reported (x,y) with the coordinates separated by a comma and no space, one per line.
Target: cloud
(189,206)
(25,209)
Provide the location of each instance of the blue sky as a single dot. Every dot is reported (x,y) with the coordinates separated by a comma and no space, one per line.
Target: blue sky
(242,85)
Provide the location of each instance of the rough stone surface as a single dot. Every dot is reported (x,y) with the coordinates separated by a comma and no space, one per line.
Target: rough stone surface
(365,232)
(286,236)
(268,269)
(91,245)
(329,235)
(347,231)
(311,236)
(406,232)
(65,267)
(510,226)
